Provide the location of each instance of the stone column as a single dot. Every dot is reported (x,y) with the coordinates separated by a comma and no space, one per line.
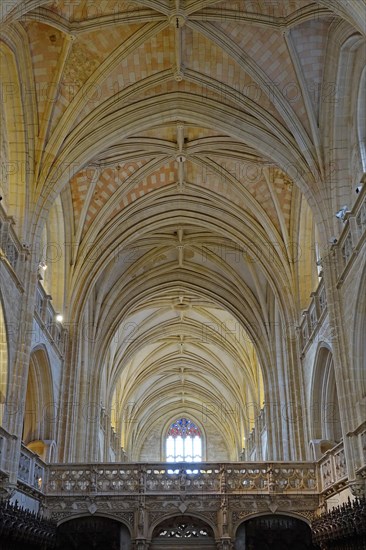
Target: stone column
(225,543)
(141,544)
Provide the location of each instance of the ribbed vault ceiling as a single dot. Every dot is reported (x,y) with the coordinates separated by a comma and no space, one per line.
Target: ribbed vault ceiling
(183,138)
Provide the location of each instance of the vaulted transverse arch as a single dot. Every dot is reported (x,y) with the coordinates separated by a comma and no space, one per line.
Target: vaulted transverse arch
(185,155)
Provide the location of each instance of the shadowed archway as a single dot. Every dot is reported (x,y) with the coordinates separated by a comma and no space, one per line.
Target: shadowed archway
(273,532)
(97,533)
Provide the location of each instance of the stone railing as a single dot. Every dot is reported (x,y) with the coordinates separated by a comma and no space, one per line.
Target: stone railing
(360,433)
(345,252)
(327,475)
(332,469)
(352,237)
(6,448)
(195,478)
(312,317)
(32,470)
(46,317)
(10,247)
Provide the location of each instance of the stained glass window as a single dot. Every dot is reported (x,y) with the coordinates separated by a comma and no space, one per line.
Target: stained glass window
(184,442)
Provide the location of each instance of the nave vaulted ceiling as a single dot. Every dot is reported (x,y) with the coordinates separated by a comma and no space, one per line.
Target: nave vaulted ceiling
(175,152)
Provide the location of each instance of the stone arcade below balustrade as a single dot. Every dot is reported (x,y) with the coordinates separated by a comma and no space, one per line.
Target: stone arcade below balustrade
(142,495)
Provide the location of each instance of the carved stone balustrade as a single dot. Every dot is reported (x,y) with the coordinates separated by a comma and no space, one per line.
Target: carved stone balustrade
(346,250)
(161,478)
(12,251)
(333,470)
(323,477)
(353,236)
(45,315)
(32,470)
(313,316)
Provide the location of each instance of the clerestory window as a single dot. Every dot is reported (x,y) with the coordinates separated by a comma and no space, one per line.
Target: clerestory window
(183,442)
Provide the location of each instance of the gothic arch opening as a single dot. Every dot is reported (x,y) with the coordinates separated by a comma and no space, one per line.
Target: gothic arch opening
(273,532)
(183,532)
(183,441)
(325,414)
(96,532)
(39,417)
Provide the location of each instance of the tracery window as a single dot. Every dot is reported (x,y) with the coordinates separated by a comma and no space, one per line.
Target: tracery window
(184,442)
(178,529)
(183,531)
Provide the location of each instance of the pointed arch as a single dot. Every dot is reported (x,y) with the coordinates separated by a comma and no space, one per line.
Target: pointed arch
(177,434)
(101,530)
(255,530)
(39,416)
(325,425)
(175,527)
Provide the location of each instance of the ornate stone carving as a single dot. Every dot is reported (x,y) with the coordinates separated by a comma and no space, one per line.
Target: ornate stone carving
(127,517)
(6,490)
(88,479)
(163,507)
(246,478)
(59,516)
(154,517)
(308,514)
(340,464)
(113,508)
(80,65)
(239,516)
(241,507)
(225,544)
(358,488)
(211,516)
(141,544)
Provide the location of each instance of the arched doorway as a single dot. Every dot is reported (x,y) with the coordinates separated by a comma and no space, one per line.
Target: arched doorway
(273,532)
(183,532)
(97,533)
